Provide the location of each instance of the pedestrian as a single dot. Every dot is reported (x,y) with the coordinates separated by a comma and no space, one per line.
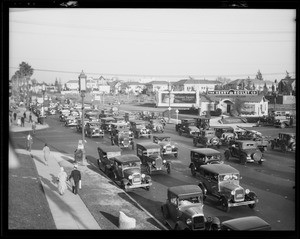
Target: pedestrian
(33,127)
(46,151)
(24,115)
(75,179)
(29,141)
(15,116)
(22,121)
(62,181)
(30,118)
(19,122)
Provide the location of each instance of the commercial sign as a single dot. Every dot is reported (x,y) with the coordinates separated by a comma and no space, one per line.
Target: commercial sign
(233,92)
(171,99)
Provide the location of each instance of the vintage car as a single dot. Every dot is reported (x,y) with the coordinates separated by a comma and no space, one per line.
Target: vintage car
(122,139)
(206,138)
(221,181)
(149,153)
(284,141)
(106,123)
(202,122)
(92,115)
(183,209)
(119,119)
(246,151)
(156,125)
(249,223)
(127,172)
(63,116)
(79,124)
(226,134)
(139,129)
(248,134)
(51,111)
(188,127)
(106,152)
(71,121)
(167,148)
(117,127)
(203,156)
(93,129)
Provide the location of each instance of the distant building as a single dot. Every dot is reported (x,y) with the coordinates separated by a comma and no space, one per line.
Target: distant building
(154,86)
(72,85)
(200,86)
(250,84)
(132,87)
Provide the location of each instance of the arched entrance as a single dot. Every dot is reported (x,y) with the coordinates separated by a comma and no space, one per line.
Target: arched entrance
(227,105)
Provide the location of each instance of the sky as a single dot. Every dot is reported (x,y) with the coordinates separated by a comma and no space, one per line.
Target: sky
(154,44)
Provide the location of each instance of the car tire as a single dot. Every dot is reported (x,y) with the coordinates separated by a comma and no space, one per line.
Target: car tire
(203,191)
(179,132)
(243,159)
(122,185)
(176,155)
(224,204)
(272,145)
(282,125)
(227,155)
(168,168)
(252,196)
(283,148)
(148,188)
(148,170)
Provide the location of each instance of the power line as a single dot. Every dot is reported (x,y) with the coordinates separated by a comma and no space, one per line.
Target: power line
(147,75)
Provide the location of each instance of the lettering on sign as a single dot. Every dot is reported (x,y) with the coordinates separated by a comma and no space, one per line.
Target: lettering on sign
(233,92)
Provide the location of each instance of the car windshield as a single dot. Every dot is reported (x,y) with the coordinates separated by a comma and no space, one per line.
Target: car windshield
(189,201)
(165,139)
(228,177)
(210,133)
(94,125)
(130,164)
(213,157)
(248,145)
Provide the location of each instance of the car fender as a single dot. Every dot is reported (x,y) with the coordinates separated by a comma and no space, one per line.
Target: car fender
(192,165)
(181,225)
(125,181)
(202,186)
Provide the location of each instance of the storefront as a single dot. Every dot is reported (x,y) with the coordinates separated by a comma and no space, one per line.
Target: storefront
(251,104)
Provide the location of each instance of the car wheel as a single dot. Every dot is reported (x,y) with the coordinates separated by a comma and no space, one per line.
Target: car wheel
(283,148)
(168,168)
(227,155)
(272,145)
(148,188)
(176,155)
(293,147)
(180,133)
(203,191)
(243,159)
(282,125)
(122,185)
(260,162)
(224,204)
(193,171)
(252,196)
(148,170)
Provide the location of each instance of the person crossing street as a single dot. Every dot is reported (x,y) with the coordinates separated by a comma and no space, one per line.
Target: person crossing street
(75,177)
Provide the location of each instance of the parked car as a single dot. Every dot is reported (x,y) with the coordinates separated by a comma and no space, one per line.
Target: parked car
(51,111)
(127,172)
(183,209)
(117,127)
(71,121)
(202,122)
(249,223)
(93,129)
(106,123)
(122,139)
(203,156)
(79,124)
(149,153)
(226,134)
(105,153)
(246,151)
(206,138)
(222,182)
(139,129)
(187,126)
(167,147)
(285,141)
(156,125)
(119,119)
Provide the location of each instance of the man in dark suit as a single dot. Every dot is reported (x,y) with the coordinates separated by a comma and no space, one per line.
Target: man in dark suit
(75,177)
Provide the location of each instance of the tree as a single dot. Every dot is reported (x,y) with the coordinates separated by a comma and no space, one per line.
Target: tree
(248,86)
(265,89)
(259,76)
(238,105)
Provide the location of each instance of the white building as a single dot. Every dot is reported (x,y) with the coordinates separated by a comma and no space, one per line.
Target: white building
(72,85)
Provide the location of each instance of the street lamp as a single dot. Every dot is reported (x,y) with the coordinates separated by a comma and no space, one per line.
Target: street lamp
(43,91)
(82,89)
(169,89)
(177,111)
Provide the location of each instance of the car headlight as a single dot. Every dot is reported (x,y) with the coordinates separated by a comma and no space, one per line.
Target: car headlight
(164,161)
(165,147)
(247,191)
(143,175)
(173,146)
(188,221)
(232,193)
(153,162)
(122,142)
(130,177)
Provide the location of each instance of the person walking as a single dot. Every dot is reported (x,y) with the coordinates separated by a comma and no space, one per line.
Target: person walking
(15,116)
(30,118)
(62,181)
(24,115)
(22,121)
(19,122)
(33,127)
(29,142)
(75,177)
(46,151)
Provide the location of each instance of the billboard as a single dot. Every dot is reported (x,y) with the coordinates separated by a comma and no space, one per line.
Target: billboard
(185,99)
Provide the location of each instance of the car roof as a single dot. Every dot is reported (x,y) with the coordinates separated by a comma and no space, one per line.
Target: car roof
(185,189)
(245,141)
(108,118)
(219,168)
(109,148)
(203,117)
(127,158)
(206,151)
(148,145)
(292,134)
(223,127)
(161,136)
(249,223)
